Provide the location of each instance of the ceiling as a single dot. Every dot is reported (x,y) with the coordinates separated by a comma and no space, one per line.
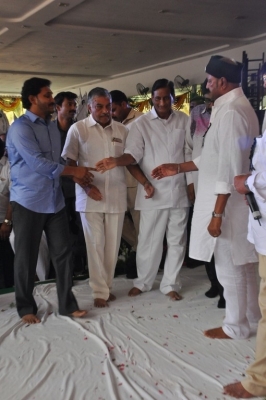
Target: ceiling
(83,42)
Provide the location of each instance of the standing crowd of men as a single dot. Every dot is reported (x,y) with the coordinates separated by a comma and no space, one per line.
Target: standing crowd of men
(159,149)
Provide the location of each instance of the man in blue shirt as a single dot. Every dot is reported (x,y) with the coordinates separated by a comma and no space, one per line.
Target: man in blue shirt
(37,201)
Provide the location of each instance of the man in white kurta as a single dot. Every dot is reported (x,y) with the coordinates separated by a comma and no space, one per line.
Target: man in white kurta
(254,384)
(198,123)
(102,206)
(155,137)
(220,217)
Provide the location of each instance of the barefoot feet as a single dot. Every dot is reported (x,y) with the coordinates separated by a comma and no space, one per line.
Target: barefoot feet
(134,292)
(237,390)
(111,297)
(30,319)
(216,333)
(78,314)
(174,295)
(100,303)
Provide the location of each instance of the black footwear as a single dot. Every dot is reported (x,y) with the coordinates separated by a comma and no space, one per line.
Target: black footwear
(212,292)
(221,303)
(191,263)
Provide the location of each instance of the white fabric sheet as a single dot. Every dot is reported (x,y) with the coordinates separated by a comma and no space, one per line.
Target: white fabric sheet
(146,347)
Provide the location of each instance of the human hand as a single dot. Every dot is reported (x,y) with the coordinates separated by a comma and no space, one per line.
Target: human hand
(93,192)
(191,193)
(149,189)
(214,227)
(164,170)
(239,183)
(5,231)
(83,176)
(105,164)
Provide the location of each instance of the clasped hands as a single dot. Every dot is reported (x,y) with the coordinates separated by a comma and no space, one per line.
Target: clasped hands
(110,163)
(83,176)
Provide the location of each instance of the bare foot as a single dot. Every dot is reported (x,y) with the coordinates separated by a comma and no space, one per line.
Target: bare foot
(174,295)
(111,297)
(78,314)
(134,292)
(216,333)
(30,319)
(238,391)
(100,303)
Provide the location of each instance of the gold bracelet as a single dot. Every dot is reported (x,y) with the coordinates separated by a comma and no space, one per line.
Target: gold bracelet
(178,168)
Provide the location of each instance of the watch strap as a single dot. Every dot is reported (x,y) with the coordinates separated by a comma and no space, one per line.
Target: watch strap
(214,214)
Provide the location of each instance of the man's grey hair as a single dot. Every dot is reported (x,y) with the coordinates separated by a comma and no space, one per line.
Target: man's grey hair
(98,92)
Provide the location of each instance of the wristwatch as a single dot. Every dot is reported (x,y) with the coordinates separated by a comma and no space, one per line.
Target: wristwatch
(246,185)
(8,222)
(216,215)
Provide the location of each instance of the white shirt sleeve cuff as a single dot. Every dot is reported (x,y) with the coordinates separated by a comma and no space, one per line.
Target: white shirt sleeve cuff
(223,188)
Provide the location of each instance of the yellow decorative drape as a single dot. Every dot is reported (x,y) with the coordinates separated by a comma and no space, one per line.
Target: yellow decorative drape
(9,104)
(145,105)
(12,107)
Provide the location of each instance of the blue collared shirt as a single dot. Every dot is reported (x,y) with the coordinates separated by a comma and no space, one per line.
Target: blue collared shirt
(34,148)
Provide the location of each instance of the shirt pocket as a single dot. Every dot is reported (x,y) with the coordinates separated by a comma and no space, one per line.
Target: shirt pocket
(176,141)
(117,149)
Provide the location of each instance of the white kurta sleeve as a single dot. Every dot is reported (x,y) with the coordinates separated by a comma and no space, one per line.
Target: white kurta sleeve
(257,184)
(71,147)
(232,141)
(135,142)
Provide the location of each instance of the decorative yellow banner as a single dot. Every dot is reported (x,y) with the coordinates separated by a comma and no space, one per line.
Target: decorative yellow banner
(9,104)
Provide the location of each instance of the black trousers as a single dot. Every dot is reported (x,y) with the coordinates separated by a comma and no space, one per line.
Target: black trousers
(28,226)
(6,263)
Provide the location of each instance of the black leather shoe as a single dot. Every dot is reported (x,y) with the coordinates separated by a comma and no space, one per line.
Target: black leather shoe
(212,292)
(221,303)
